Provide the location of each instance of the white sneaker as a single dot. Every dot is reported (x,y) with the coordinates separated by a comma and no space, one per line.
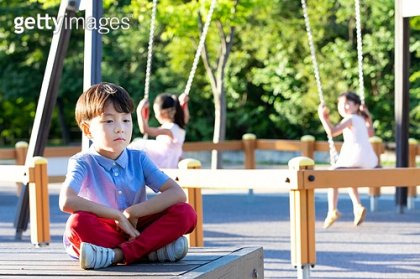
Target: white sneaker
(172,252)
(94,257)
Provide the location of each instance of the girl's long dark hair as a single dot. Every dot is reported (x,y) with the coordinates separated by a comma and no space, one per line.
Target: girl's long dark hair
(351,96)
(170,103)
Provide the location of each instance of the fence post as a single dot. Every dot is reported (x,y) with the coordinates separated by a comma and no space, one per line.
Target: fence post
(412,190)
(302,219)
(249,143)
(38,202)
(308,146)
(21,148)
(195,199)
(375,192)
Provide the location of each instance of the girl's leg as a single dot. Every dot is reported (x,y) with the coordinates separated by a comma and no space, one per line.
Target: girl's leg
(358,209)
(158,230)
(332,199)
(333,195)
(354,196)
(87,227)
(333,214)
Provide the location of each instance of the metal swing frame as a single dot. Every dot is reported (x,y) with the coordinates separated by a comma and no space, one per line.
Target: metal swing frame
(50,85)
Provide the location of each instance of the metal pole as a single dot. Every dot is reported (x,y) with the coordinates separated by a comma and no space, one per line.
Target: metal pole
(93,51)
(402,65)
(46,103)
(304,272)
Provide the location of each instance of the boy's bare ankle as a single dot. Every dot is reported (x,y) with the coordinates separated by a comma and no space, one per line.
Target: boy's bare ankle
(119,256)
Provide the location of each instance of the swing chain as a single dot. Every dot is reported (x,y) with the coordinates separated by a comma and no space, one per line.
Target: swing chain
(150,51)
(333,150)
(313,53)
(359,51)
(200,47)
(196,57)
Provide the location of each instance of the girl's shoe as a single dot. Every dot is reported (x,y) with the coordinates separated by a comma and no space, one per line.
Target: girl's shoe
(359,215)
(331,218)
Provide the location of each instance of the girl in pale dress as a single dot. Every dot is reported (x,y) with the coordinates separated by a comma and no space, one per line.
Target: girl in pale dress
(172,113)
(356,152)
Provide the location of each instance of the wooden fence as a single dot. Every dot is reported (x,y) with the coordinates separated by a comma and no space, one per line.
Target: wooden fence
(307,146)
(301,180)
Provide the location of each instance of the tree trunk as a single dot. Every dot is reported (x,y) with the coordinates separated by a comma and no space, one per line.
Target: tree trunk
(216,76)
(219,133)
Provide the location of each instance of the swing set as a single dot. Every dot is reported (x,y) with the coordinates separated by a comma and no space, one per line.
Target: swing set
(333,151)
(92,75)
(196,56)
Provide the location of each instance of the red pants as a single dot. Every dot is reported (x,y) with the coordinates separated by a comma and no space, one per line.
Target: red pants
(156,231)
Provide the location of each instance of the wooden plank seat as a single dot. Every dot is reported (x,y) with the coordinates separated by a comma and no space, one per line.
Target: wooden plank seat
(19,260)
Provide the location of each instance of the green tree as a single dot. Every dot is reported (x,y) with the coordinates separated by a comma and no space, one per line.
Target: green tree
(266,78)
(183,23)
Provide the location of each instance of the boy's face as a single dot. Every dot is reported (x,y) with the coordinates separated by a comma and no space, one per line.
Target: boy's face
(110,132)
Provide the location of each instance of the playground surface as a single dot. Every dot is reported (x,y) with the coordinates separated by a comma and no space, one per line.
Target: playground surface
(387,245)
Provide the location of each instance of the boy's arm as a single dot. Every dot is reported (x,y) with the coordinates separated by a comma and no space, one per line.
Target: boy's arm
(171,193)
(70,202)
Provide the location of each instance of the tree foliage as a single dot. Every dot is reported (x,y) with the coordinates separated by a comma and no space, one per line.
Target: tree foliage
(269,83)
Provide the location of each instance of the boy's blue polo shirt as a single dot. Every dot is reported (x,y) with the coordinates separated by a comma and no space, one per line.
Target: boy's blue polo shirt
(116,183)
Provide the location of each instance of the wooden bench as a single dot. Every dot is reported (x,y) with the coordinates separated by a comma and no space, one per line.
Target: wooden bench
(19,260)
(307,146)
(36,177)
(301,180)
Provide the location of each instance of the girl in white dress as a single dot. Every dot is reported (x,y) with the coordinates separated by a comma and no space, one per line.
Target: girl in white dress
(356,152)
(166,150)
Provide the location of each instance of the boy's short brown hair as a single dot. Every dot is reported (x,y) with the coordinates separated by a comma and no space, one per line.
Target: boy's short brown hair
(92,102)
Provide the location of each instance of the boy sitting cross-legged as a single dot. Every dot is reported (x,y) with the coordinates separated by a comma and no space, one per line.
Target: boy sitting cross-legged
(111,220)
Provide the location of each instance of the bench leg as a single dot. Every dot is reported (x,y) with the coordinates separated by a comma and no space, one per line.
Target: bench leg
(374,203)
(302,230)
(39,203)
(302,220)
(304,272)
(410,203)
(22,212)
(195,199)
(412,193)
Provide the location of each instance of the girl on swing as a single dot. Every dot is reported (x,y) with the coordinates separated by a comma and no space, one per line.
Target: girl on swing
(173,114)
(356,152)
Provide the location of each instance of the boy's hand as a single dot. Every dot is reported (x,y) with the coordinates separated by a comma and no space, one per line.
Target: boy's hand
(323,112)
(132,220)
(125,225)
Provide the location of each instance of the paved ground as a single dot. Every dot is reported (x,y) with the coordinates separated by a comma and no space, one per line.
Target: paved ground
(386,246)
